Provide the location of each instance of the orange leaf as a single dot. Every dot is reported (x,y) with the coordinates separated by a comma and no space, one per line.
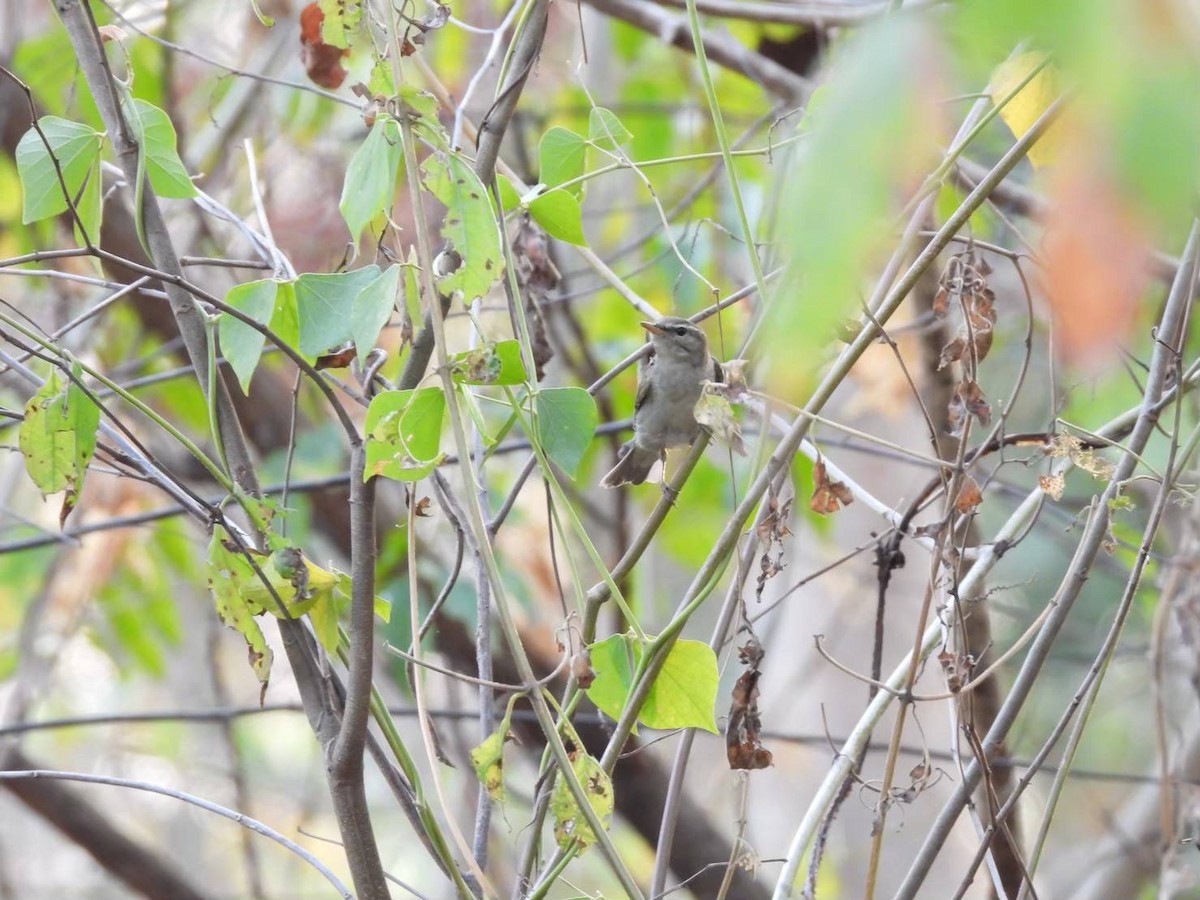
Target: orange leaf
(969,495)
(322,61)
(1096,260)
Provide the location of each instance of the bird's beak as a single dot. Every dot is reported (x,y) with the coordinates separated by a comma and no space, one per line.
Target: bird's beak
(652,328)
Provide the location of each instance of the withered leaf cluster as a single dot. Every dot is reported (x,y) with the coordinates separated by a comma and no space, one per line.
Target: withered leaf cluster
(743,742)
(772,529)
(956,667)
(963,289)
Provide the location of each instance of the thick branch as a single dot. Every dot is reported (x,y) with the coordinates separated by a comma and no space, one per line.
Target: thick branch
(345,755)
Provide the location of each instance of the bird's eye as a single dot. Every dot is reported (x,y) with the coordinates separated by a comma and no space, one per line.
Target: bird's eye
(680,330)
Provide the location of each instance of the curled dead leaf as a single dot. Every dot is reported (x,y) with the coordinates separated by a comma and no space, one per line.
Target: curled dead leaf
(336,359)
(581,668)
(1052,485)
(743,740)
(714,413)
(968,400)
(829,496)
(110,33)
(969,496)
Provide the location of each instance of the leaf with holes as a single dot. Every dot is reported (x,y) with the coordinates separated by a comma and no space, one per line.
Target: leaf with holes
(342,21)
(470,225)
(570,825)
(57,437)
(493,363)
(228,575)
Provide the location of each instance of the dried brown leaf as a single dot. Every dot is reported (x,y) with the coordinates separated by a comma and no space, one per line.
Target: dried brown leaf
(336,359)
(743,741)
(952,352)
(969,496)
(1052,485)
(714,413)
(581,668)
(829,496)
(968,400)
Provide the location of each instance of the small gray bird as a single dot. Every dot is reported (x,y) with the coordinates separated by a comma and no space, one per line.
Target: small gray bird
(669,385)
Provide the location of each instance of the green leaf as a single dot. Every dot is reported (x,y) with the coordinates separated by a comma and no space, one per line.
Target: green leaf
(422,104)
(949,199)
(371,176)
(685,692)
(569,823)
(404,433)
(488,758)
(562,154)
(559,212)
(564,419)
(605,130)
(90,205)
(493,363)
(228,575)
(324,618)
(614,660)
(77,149)
(297,582)
(164,168)
(509,198)
(58,437)
(241,345)
(683,695)
(341,22)
(383,608)
(324,307)
(382,82)
(488,762)
(470,225)
(372,308)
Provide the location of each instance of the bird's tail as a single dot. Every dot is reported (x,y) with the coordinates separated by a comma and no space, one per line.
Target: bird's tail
(633,467)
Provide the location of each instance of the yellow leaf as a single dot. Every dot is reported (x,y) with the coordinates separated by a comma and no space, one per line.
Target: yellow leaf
(1021,111)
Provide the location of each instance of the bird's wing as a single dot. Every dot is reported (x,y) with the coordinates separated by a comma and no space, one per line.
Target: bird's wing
(643,392)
